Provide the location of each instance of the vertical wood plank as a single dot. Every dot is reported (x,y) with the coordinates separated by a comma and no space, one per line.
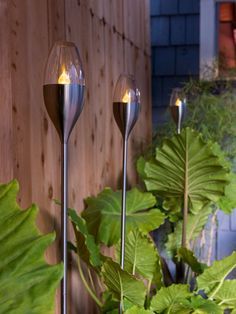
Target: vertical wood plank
(20,99)
(56,20)
(6,151)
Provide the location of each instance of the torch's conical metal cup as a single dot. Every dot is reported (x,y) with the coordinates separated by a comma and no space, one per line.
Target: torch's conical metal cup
(126,115)
(64,103)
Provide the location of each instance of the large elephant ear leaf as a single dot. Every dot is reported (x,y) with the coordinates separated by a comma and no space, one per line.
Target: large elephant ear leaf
(103,214)
(212,279)
(226,295)
(199,305)
(122,284)
(27,282)
(170,299)
(138,310)
(141,257)
(86,247)
(185,164)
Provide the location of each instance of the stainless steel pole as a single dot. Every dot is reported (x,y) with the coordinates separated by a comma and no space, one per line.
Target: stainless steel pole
(64,205)
(123,210)
(123,213)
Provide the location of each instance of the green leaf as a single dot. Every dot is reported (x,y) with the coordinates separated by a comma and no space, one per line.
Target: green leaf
(122,284)
(140,167)
(198,305)
(185,164)
(226,296)
(27,283)
(195,225)
(138,310)
(85,242)
(173,208)
(109,304)
(188,257)
(227,203)
(141,257)
(103,214)
(170,300)
(212,279)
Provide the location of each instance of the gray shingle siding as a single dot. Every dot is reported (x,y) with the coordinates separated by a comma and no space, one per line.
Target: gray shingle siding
(164,61)
(177,30)
(169,7)
(160,31)
(187,60)
(192,30)
(189,6)
(175,48)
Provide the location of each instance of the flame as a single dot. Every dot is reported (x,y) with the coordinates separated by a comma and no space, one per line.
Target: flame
(178,102)
(126,98)
(64,77)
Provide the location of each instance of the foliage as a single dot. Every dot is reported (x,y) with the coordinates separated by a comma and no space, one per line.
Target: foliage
(137,247)
(211,110)
(122,284)
(103,214)
(184,165)
(27,283)
(187,166)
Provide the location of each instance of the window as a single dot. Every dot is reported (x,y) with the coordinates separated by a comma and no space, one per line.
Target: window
(217,38)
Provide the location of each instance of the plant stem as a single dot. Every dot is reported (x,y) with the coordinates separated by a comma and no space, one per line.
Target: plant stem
(91,279)
(90,291)
(100,284)
(147,303)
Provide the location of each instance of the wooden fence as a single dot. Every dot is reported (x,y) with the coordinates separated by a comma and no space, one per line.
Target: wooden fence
(113,37)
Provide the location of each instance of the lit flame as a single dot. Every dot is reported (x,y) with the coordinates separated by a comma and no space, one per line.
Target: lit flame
(178,102)
(64,78)
(126,98)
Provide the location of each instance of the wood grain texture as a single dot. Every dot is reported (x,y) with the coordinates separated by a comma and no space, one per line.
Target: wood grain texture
(6,134)
(112,37)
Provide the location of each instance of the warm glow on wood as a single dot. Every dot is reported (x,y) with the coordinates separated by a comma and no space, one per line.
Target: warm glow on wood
(64,78)
(126,97)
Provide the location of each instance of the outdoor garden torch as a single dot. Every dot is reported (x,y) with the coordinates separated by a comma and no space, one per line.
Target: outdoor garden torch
(178,107)
(126,107)
(63,92)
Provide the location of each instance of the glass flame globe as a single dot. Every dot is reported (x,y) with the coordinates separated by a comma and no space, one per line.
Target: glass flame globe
(126,90)
(64,65)
(126,104)
(64,86)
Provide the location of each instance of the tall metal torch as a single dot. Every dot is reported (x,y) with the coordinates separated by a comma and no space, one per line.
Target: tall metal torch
(178,107)
(178,112)
(126,107)
(63,92)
